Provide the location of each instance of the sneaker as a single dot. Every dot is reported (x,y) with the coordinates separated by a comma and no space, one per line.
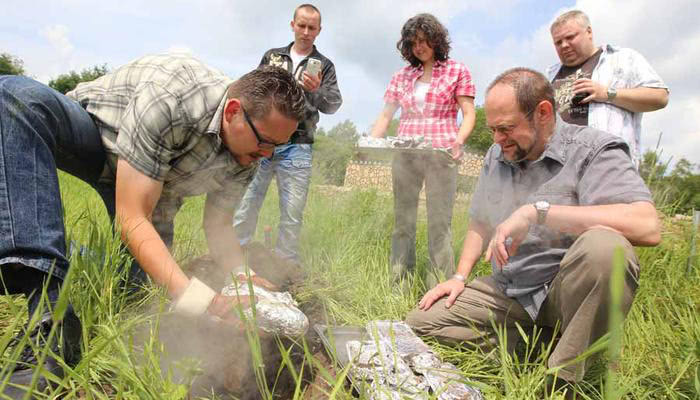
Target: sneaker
(68,335)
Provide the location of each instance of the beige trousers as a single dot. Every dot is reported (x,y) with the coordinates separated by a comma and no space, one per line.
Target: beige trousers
(578,299)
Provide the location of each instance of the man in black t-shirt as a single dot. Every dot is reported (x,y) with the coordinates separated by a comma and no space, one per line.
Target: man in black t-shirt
(572,108)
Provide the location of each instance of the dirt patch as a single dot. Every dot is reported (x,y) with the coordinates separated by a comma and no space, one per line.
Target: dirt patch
(226,366)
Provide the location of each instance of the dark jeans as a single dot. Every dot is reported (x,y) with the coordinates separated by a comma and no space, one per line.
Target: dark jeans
(41,131)
(439,172)
(15,279)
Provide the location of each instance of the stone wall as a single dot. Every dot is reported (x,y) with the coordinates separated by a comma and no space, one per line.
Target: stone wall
(377,174)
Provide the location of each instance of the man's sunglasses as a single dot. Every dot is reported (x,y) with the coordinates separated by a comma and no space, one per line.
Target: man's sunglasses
(262,143)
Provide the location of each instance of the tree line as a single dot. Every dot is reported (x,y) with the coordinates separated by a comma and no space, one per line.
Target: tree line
(678,190)
(64,83)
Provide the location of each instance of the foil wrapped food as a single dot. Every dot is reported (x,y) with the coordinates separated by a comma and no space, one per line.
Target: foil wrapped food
(395,142)
(397,364)
(389,377)
(275,312)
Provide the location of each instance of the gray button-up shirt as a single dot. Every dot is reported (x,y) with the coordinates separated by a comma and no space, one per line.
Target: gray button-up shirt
(580,166)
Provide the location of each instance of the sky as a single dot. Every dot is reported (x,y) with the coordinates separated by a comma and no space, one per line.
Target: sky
(54,37)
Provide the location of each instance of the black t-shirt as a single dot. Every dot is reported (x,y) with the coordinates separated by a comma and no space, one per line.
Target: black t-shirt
(569,105)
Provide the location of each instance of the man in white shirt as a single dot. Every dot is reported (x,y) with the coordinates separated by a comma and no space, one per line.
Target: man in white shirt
(604,87)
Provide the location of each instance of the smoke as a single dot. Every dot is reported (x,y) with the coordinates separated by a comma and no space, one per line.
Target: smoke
(217,357)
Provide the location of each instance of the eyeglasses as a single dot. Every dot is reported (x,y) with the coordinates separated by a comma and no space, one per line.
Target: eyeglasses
(262,143)
(506,130)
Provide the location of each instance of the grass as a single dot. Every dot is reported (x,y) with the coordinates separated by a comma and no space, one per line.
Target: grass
(345,242)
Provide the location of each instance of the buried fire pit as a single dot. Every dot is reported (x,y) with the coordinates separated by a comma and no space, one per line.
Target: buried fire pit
(226,365)
(386,360)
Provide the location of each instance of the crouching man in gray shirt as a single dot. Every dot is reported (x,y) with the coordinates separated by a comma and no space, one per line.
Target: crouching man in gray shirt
(552,204)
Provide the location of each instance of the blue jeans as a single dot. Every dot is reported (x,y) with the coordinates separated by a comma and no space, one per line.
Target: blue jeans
(291,165)
(41,131)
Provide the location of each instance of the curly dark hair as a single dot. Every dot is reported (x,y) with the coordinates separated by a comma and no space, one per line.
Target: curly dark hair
(435,33)
(266,87)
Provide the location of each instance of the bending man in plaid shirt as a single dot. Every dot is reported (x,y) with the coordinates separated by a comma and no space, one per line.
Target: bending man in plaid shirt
(429,92)
(144,136)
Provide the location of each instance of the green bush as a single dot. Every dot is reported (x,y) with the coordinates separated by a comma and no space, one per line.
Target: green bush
(332,152)
(11,65)
(64,83)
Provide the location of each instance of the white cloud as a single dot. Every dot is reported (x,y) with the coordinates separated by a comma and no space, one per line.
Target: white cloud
(53,37)
(57,35)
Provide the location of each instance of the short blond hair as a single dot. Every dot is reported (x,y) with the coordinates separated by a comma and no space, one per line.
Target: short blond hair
(307,7)
(577,15)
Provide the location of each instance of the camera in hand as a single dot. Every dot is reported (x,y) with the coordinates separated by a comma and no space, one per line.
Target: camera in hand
(578,98)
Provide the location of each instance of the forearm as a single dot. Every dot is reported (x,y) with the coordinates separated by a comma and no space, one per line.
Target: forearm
(471,249)
(147,247)
(136,196)
(468,119)
(641,99)
(638,222)
(380,126)
(222,239)
(382,123)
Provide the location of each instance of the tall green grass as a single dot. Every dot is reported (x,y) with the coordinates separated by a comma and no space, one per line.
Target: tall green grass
(345,242)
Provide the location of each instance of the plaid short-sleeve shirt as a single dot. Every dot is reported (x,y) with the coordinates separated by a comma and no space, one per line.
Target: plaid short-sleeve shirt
(162,114)
(437,121)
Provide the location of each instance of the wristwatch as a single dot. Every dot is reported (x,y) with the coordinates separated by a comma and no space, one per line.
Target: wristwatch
(612,92)
(542,207)
(459,277)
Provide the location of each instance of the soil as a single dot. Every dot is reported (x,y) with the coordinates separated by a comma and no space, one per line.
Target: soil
(226,360)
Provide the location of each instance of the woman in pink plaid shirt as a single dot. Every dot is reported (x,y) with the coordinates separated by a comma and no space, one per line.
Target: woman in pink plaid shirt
(429,91)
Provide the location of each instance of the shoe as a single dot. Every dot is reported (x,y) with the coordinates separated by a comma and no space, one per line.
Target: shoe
(66,344)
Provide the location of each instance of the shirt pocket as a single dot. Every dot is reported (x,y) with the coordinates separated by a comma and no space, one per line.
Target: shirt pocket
(496,209)
(443,92)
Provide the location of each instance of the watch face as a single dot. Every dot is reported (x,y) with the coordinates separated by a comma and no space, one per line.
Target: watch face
(541,205)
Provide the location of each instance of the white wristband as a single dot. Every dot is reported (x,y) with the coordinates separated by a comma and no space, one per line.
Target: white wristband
(195,299)
(459,277)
